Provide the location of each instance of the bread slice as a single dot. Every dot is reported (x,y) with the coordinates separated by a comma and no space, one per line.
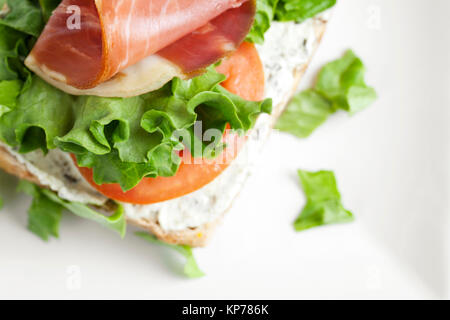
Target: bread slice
(193,235)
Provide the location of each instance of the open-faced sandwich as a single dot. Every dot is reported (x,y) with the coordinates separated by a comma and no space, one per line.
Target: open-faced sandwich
(145,111)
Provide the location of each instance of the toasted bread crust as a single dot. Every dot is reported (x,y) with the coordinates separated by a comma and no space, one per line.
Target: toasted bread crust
(195,237)
(10,164)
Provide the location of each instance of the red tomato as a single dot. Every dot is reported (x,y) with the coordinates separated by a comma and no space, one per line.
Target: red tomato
(245,78)
(245,73)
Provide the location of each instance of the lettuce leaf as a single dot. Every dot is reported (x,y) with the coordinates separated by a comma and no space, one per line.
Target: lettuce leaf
(9,91)
(306,112)
(323,204)
(22,15)
(265,13)
(301,10)
(116,222)
(47,7)
(342,82)
(340,85)
(284,10)
(45,213)
(1,203)
(13,47)
(41,114)
(191,269)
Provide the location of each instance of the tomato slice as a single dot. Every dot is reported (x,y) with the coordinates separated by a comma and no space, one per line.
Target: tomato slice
(245,73)
(245,78)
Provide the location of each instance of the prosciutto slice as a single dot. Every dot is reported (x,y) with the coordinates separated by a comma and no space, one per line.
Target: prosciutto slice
(129,47)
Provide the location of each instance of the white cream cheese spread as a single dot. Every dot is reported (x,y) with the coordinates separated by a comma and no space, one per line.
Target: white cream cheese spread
(57,171)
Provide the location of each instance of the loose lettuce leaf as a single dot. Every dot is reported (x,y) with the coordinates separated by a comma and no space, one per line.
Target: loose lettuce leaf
(324,204)
(44,215)
(1,203)
(46,209)
(340,85)
(301,10)
(342,82)
(306,112)
(191,268)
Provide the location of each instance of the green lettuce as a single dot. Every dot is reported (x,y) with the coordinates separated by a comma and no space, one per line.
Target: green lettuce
(191,268)
(45,212)
(9,91)
(284,10)
(13,49)
(1,203)
(265,13)
(47,7)
(340,86)
(305,113)
(323,204)
(301,10)
(342,82)
(23,15)
(41,114)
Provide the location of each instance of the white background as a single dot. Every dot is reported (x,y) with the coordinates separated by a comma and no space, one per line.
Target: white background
(391,162)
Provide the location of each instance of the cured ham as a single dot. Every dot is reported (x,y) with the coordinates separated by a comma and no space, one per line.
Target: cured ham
(126,48)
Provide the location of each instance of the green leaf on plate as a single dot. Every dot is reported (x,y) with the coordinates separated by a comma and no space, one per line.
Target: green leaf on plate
(340,85)
(306,112)
(342,82)
(323,204)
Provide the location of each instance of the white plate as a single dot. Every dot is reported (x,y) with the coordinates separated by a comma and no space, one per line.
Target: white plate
(392,166)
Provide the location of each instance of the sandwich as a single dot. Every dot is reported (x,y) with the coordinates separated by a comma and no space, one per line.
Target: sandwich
(146,112)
